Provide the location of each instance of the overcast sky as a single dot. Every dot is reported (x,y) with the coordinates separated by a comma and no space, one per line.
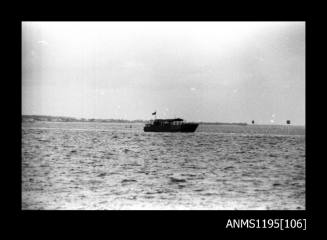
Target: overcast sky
(199,71)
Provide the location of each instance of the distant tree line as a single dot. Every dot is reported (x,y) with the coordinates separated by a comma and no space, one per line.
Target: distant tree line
(32,118)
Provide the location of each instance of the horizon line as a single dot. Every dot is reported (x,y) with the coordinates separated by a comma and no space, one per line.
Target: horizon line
(122,119)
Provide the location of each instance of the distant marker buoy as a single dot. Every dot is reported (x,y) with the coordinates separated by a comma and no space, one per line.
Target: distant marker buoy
(288,122)
(252,121)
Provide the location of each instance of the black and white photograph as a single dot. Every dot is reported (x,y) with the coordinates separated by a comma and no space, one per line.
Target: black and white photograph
(163,115)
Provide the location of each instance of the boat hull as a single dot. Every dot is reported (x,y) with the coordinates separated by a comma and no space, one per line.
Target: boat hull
(185,127)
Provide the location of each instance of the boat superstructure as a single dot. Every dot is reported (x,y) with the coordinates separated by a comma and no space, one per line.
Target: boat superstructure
(170,125)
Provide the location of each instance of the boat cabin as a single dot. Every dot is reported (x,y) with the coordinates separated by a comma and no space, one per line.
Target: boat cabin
(170,125)
(165,122)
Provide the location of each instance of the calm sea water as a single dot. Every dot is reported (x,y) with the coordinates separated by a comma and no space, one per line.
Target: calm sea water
(118,166)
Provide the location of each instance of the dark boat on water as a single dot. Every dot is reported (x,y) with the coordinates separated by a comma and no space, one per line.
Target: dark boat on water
(170,125)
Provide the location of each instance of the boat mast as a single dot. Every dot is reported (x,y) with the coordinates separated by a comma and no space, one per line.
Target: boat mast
(155,114)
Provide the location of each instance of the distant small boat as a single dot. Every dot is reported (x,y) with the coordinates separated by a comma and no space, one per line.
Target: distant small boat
(170,125)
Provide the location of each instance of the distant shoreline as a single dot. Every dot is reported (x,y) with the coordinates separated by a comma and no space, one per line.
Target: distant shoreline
(44,118)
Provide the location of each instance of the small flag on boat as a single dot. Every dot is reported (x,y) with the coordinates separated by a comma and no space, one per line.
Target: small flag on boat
(154,113)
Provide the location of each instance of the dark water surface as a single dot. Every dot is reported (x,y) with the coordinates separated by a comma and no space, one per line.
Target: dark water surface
(118,166)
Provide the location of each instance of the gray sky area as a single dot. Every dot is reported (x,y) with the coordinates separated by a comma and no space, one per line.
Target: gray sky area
(199,71)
